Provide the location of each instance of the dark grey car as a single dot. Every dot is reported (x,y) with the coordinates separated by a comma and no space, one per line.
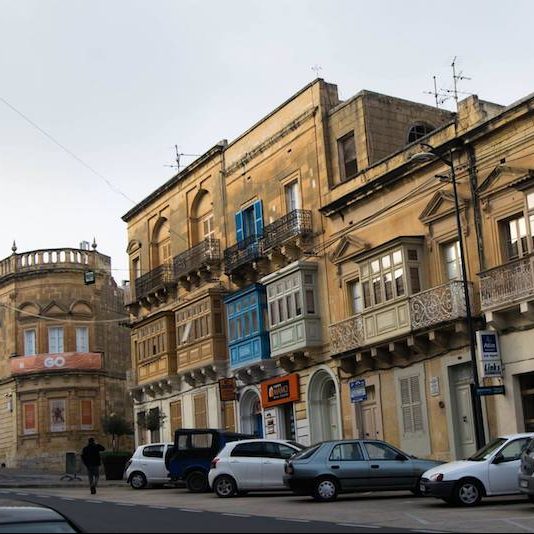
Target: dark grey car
(526,472)
(345,466)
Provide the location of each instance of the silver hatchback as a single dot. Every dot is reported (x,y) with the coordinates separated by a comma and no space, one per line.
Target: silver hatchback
(346,466)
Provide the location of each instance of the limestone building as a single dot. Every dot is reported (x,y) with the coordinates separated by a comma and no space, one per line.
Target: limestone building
(63,353)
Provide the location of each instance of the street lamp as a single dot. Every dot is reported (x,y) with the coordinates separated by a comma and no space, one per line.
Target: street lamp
(431,154)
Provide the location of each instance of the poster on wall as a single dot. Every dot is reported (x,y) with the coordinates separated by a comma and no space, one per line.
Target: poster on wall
(29,414)
(86,408)
(489,353)
(57,416)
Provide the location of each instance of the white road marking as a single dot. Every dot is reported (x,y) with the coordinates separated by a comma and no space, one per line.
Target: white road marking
(95,502)
(20,493)
(237,515)
(159,507)
(351,525)
(416,518)
(518,525)
(293,520)
(125,504)
(190,510)
(67,499)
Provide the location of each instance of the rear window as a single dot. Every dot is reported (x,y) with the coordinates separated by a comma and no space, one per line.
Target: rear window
(306,453)
(201,441)
(250,450)
(153,451)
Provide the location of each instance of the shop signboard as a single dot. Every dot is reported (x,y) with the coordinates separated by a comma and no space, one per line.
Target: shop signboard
(358,392)
(280,390)
(489,353)
(227,389)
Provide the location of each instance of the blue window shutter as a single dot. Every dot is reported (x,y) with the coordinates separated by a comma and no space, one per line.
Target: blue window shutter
(239,226)
(258,217)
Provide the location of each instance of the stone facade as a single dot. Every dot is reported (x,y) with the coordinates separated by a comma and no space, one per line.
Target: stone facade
(64,354)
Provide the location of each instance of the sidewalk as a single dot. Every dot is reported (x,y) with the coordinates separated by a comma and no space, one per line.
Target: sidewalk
(24,478)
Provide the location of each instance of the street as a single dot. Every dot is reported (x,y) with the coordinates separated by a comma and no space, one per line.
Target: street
(121,509)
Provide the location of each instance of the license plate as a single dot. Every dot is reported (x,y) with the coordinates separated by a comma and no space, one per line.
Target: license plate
(422,487)
(524,483)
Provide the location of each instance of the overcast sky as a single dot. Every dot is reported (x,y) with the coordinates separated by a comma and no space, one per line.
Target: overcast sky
(120,82)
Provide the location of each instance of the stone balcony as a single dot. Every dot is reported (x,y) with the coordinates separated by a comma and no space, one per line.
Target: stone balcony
(507,294)
(393,333)
(197,263)
(45,260)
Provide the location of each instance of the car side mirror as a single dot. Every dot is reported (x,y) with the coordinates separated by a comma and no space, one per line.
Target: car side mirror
(499,459)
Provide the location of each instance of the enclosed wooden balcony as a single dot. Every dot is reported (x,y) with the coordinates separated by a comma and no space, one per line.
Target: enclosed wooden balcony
(421,323)
(286,235)
(154,285)
(197,263)
(507,294)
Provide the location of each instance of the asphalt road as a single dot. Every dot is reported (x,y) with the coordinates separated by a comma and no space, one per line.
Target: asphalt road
(93,515)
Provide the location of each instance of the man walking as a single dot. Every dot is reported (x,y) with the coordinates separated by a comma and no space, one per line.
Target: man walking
(91,459)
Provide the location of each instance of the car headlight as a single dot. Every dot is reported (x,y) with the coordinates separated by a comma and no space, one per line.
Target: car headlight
(437,477)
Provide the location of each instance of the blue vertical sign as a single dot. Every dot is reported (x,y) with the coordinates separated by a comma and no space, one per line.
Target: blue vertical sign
(357,391)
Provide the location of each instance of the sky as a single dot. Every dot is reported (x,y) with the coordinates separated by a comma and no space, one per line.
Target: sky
(118,83)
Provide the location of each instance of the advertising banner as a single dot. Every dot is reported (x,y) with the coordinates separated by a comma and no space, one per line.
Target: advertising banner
(489,353)
(55,362)
(280,390)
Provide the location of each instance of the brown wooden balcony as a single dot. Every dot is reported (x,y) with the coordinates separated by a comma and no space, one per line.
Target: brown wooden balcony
(154,282)
(244,252)
(288,229)
(393,325)
(197,262)
(507,293)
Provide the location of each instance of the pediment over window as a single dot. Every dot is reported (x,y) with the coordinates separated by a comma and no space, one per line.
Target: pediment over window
(348,247)
(54,309)
(81,307)
(503,176)
(441,205)
(133,246)
(29,309)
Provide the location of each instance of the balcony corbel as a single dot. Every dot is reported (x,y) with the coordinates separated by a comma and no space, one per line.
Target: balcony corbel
(285,363)
(418,345)
(348,365)
(399,351)
(190,379)
(438,339)
(382,357)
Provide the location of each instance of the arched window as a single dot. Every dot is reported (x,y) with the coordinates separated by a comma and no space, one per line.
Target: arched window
(202,225)
(161,243)
(419,130)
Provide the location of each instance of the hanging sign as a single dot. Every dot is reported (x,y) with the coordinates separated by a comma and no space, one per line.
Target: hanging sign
(227,389)
(489,353)
(357,391)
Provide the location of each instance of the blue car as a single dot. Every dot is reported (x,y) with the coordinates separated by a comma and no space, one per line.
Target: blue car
(190,458)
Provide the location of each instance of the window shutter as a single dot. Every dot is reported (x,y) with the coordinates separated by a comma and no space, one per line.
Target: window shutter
(411,404)
(239,226)
(176,416)
(407,421)
(258,217)
(417,408)
(201,419)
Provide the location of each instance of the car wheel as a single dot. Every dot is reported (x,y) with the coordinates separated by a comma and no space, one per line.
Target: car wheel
(325,490)
(468,492)
(530,498)
(138,480)
(417,490)
(225,486)
(197,482)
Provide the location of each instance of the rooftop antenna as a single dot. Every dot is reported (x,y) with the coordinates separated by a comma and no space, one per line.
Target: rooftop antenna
(316,68)
(178,155)
(456,77)
(438,95)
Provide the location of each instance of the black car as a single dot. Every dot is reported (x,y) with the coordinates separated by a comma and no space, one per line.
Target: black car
(194,449)
(526,473)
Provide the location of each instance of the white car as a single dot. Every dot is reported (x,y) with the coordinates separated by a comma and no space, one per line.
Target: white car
(493,470)
(250,465)
(147,466)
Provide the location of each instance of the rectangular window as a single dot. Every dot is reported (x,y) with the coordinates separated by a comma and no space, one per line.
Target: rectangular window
(82,339)
(453,262)
(289,306)
(356,297)
(29,416)
(58,414)
(388,286)
(86,414)
(310,301)
(30,337)
(399,282)
(136,268)
(298,304)
(377,290)
(55,340)
(292,191)
(515,240)
(274,313)
(411,405)
(176,416)
(415,280)
(200,411)
(366,294)
(281,310)
(229,417)
(347,157)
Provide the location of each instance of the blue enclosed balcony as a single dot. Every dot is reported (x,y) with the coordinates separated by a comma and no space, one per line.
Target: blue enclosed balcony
(248,339)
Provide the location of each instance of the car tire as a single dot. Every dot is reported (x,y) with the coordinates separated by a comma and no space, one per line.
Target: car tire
(138,480)
(225,486)
(468,492)
(530,498)
(325,489)
(197,482)
(417,490)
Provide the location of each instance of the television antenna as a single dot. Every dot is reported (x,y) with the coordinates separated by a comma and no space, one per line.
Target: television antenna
(316,68)
(439,95)
(178,155)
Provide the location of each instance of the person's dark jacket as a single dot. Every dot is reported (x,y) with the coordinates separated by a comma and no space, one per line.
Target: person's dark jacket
(91,454)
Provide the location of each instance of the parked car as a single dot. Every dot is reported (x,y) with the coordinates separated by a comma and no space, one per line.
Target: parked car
(526,471)
(251,465)
(21,516)
(345,466)
(190,458)
(493,470)
(147,467)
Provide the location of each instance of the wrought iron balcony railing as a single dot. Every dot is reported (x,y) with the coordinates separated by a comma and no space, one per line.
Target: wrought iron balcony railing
(294,224)
(149,283)
(243,252)
(507,283)
(428,308)
(206,253)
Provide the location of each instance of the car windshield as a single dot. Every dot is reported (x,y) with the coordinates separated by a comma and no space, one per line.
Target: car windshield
(305,453)
(488,450)
(37,526)
(296,444)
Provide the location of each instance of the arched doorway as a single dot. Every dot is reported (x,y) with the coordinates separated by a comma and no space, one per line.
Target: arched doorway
(251,414)
(323,402)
